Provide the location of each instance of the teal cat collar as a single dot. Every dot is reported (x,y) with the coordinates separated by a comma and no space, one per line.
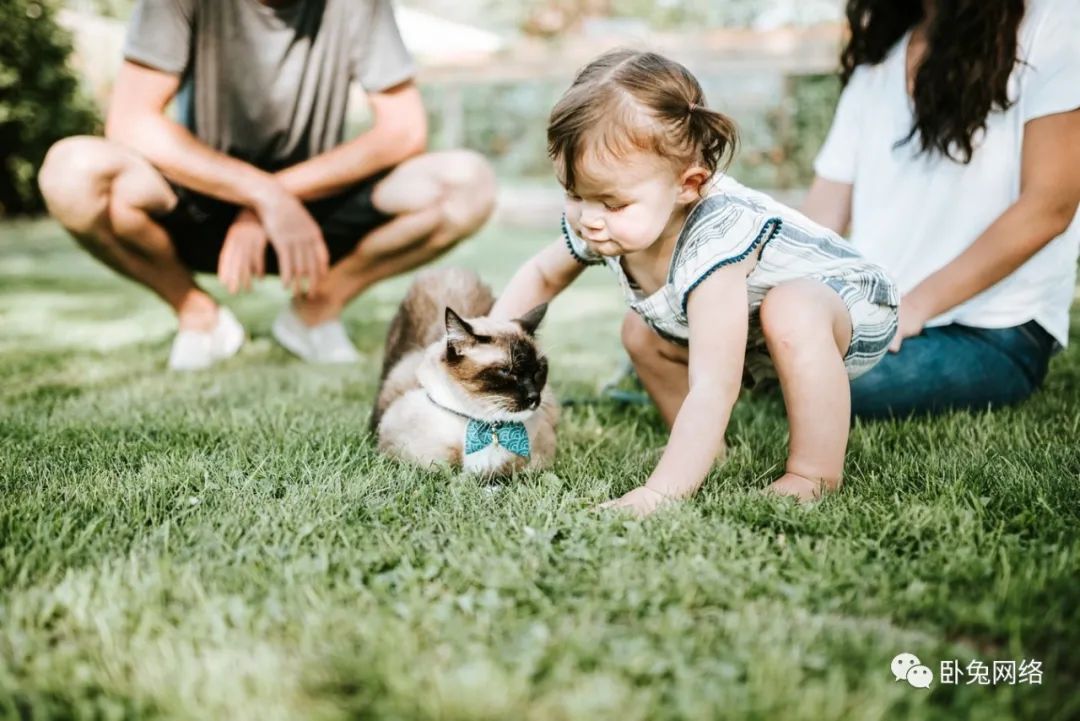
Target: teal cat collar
(479,434)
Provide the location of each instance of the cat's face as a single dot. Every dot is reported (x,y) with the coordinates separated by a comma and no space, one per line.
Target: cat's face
(497,363)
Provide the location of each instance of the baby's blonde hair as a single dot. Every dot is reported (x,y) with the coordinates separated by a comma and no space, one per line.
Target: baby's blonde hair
(627,100)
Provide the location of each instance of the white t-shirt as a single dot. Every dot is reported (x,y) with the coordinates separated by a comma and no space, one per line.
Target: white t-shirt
(912,214)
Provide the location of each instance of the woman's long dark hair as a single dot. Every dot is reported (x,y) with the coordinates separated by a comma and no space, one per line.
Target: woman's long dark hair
(971,51)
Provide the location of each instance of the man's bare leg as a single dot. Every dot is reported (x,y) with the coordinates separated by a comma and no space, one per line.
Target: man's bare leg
(104,195)
(438,199)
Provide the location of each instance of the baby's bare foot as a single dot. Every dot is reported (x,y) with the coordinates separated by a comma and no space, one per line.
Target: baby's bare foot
(802,488)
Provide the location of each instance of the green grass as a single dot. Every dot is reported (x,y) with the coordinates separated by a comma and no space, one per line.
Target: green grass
(227,545)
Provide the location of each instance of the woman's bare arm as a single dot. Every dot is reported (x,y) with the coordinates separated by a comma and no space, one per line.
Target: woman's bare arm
(1049,195)
(828,203)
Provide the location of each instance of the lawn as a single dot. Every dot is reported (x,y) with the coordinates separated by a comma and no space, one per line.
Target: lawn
(228,545)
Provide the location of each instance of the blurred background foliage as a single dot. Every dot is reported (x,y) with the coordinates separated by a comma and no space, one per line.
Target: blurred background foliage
(40,98)
(782,117)
(550,17)
(508,123)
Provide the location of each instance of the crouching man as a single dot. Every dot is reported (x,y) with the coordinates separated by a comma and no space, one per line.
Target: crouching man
(255,175)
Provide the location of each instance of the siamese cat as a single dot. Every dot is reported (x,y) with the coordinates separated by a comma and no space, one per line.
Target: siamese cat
(461,389)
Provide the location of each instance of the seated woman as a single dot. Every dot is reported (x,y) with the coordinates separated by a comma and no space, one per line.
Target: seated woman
(953,157)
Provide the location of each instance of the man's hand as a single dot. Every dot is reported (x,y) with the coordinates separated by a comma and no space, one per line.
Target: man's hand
(301,251)
(243,253)
(641,501)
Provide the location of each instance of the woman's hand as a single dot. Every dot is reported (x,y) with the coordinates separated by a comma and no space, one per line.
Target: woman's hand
(913,319)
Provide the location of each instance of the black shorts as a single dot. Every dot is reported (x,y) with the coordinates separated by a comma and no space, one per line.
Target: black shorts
(198,224)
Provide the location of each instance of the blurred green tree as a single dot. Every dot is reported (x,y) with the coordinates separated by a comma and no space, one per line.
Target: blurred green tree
(40,99)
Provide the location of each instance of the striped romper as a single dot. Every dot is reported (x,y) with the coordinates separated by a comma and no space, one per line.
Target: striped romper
(733,221)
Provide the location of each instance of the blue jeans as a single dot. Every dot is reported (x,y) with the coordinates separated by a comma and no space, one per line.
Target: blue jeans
(955,367)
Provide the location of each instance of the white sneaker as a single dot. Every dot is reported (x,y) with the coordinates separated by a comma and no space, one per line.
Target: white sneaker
(324,343)
(194,350)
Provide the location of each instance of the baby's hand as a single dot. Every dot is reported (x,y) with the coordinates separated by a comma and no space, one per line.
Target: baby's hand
(641,501)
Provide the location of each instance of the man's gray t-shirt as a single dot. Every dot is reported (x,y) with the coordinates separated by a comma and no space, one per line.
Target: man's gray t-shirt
(269,85)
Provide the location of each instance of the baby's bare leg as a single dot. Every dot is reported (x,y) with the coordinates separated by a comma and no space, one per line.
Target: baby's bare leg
(663,367)
(808,329)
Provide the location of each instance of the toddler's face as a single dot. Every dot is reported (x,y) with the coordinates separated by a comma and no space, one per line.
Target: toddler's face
(620,206)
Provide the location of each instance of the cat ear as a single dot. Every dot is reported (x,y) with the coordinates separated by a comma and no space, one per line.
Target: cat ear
(458,332)
(531,320)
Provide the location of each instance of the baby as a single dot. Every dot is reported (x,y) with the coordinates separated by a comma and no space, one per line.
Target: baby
(717,277)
